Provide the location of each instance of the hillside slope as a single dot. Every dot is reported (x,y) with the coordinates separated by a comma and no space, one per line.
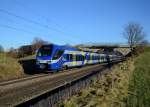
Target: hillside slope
(109,91)
(139,87)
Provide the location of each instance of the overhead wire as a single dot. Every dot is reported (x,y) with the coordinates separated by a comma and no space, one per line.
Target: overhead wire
(24,19)
(35,12)
(39,15)
(17,29)
(28,20)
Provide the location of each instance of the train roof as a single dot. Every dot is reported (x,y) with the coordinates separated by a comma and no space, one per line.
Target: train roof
(63,47)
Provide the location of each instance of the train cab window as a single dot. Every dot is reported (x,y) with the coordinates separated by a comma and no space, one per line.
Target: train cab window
(45,50)
(58,54)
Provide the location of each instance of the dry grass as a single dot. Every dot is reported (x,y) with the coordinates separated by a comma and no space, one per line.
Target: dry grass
(28,57)
(110,90)
(9,67)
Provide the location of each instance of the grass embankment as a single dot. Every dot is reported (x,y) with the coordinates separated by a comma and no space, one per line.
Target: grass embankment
(9,67)
(110,90)
(139,87)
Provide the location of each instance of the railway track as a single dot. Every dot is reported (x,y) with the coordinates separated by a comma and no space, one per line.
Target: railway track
(30,87)
(29,80)
(25,78)
(3,83)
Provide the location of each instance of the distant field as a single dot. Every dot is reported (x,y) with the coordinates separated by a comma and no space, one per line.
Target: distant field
(9,67)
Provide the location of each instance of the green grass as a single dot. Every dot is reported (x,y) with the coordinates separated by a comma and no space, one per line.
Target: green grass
(9,67)
(139,87)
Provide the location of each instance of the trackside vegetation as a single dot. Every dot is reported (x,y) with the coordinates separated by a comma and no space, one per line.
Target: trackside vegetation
(139,87)
(110,90)
(9,67)
(127,85)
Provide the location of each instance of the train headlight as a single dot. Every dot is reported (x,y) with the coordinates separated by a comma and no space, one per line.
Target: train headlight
(48,62)
(42,66)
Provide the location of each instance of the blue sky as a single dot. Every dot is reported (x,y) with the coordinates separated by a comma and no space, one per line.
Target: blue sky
(69,21)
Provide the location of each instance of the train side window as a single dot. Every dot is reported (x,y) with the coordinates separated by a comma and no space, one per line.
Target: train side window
(77,58)
(70,57)
(102,58)
(66,57)
(88,57)
(58,54)
(92,57)
(98,57)
(82,58)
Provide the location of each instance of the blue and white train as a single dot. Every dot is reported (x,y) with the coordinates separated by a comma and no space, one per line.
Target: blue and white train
(53,57)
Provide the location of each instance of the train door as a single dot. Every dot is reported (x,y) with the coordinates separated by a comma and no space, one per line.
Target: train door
(57,61)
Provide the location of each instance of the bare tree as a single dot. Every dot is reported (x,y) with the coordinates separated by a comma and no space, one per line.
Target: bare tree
(37,43)
(1,49)
(134,34)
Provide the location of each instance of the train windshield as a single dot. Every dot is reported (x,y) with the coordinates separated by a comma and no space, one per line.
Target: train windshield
(45,50)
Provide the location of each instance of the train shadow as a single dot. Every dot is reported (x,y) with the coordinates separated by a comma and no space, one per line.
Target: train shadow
(28,66)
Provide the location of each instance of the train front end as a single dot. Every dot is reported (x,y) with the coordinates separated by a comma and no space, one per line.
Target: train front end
(43,57)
